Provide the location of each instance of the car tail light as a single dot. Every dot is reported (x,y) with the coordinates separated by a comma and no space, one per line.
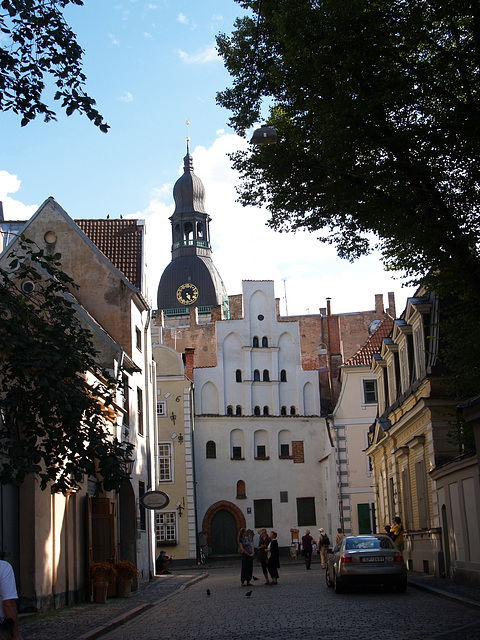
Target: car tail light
(346,558)
(398,557)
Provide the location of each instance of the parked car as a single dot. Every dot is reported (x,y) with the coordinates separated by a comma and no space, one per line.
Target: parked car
(365,560)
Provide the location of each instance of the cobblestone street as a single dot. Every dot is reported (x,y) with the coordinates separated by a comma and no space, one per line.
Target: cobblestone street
(300,607)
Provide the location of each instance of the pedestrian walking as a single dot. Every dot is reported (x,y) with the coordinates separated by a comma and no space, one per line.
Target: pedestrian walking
(307,544)
(339,536)
(247,557)
(323,543)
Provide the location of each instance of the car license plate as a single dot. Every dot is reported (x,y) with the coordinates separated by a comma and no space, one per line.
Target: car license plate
(373,559)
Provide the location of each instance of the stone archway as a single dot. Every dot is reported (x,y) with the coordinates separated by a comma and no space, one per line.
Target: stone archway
(230,510)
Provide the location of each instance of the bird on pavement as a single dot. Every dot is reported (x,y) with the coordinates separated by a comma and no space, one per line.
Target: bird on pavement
(248,594)
(208,592)
(254,578)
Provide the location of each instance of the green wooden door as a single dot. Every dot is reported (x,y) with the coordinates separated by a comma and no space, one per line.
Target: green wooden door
(224,534)
(364,524)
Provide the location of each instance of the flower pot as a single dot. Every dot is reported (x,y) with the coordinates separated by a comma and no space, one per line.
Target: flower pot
(100,592)
(124,587)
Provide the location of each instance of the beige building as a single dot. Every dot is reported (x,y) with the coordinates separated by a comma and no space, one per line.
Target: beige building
(51,539)
(350,422)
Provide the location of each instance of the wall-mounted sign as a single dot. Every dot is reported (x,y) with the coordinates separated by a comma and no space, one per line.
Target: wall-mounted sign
(154,500)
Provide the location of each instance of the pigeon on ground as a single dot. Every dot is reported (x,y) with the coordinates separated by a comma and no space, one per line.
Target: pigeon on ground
(248,594)
(208,592)
(254,578)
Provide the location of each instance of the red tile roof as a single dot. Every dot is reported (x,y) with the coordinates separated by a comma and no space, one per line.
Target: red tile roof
(372,345)
(121,242)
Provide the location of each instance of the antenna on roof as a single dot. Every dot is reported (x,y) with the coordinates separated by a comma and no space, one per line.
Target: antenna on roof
(284,280)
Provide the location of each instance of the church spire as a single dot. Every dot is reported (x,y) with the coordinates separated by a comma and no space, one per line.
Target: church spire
(191,278)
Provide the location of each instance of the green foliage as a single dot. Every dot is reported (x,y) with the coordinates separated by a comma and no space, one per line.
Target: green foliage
(52,423)
(36,42)
(376,103)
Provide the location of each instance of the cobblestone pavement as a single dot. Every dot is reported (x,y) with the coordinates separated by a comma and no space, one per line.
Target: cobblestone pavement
(300,607)
(89,620)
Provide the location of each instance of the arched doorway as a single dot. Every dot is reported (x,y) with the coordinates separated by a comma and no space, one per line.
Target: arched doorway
(222,522)
(224,533)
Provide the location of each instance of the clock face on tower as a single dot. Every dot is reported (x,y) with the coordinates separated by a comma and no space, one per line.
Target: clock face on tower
(187,293)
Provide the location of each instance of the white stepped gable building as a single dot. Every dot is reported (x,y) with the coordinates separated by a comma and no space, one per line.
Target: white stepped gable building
(262,452)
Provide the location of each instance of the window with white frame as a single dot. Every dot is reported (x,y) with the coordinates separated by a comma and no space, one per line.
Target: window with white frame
(166,527)
(370,391)
(161,408)
(165,462)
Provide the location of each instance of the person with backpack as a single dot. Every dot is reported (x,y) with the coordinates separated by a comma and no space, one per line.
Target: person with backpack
(322,544)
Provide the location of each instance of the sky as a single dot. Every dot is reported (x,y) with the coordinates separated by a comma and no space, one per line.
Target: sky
(151,66)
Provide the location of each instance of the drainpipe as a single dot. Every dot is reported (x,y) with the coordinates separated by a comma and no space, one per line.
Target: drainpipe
(331,423)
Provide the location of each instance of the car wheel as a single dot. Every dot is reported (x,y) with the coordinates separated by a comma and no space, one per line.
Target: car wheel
(338,584)
(327,578)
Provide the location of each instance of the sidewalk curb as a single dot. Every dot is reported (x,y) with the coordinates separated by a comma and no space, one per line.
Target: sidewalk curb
(445,594)
(133,613)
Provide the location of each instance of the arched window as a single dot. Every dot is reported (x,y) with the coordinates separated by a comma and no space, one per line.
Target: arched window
(241,490)
(255,341)
(229,410)
(265,411)
(293,411)
(211,449)
(283,375)
(266,375)
(238,410)
(264,341)
(256,375)
(237,444)
(283,412)
(256,411)
(238,375)
(284,443)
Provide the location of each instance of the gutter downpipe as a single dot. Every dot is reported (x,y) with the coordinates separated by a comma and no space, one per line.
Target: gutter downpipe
(331,424)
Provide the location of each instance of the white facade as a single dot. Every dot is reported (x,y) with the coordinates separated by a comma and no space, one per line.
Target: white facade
(261,447)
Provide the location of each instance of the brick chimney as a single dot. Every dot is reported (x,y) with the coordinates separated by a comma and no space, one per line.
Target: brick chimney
(189,357)
(391,304)
(379,304)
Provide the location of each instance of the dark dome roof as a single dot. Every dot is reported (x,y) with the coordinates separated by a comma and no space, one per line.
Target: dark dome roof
(189,192)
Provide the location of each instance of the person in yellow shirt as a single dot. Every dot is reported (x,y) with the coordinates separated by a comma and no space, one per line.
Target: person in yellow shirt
(396,533)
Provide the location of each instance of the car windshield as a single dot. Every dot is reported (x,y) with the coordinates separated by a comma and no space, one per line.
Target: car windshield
(368,543)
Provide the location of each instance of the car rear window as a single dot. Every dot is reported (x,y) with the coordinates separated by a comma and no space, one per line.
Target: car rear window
(368,543)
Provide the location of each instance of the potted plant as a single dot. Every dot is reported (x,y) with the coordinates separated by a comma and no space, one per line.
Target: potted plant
(101,573)
(126,572)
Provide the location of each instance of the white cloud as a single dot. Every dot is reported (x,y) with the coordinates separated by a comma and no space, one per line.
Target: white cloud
(126,97)
(13,209)
(206,55)
(114,40)
(182,18)
(147,36)
(244,248)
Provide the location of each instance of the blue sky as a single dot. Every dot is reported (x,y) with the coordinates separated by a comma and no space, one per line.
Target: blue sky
(150,66)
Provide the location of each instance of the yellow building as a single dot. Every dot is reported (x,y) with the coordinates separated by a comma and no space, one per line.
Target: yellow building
(410,435)
(175,527)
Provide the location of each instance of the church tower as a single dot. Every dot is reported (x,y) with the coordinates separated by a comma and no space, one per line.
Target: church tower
(191,279)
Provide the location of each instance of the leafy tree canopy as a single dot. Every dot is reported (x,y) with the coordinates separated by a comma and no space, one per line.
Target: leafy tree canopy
(36,42)
(376,103)
(52,421)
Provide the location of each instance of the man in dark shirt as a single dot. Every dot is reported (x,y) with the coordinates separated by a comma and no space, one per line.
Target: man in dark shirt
(307,546)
